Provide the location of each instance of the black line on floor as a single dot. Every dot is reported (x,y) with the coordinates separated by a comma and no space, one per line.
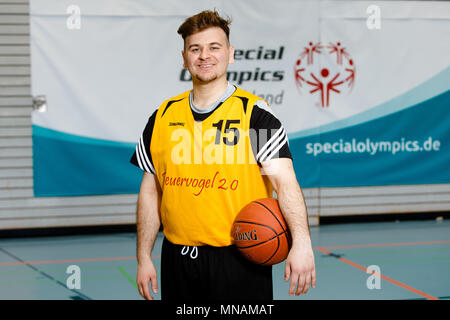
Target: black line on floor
(81,295)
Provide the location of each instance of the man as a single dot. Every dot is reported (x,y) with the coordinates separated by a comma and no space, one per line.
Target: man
(195,181)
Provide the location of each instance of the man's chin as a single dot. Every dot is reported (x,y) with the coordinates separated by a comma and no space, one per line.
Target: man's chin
(205,79)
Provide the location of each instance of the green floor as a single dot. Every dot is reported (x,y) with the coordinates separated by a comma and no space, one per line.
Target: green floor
(412,257)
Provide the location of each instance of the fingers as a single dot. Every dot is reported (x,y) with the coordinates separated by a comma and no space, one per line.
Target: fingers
(294,279)
(301,270)
(301,281)
(301,284)
(313,280)
(144,287)
(154,282)
(293,285)
(146,278)
(307,284)
(287,272)
(144,290)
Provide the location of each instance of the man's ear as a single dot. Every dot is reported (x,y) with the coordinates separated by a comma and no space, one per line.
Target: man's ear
(231,58)
(184,60)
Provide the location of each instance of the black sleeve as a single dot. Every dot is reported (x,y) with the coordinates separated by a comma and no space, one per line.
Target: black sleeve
(268,136)
(141,156)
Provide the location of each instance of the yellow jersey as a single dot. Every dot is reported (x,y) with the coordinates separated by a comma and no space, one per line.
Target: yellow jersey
(208,165)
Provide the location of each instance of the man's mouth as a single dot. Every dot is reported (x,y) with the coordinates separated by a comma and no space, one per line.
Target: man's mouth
(206,66)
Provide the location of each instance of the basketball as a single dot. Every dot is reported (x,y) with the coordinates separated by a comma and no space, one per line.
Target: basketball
(260,232)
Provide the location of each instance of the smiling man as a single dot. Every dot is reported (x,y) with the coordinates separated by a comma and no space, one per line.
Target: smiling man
(195,199)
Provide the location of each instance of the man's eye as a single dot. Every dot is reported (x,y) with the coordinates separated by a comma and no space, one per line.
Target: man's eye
(194,50)
(215,48)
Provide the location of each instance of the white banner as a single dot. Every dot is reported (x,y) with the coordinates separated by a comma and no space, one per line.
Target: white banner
(325,66)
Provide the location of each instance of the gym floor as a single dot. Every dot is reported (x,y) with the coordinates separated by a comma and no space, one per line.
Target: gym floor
(410,260)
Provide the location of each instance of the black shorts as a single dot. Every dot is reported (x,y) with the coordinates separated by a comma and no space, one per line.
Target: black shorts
(207,273)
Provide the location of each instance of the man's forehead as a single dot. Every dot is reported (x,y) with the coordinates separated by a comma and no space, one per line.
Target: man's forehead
(207,36)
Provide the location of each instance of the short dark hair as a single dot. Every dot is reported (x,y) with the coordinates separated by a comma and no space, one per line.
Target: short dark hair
(203,20)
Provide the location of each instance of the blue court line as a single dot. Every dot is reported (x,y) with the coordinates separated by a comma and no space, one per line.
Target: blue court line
(80,295)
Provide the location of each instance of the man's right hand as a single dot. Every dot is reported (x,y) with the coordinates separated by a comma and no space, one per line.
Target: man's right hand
(146,273)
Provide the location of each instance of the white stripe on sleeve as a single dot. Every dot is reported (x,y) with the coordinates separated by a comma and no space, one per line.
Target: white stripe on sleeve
(280,132)
(138,158)
(274,152)
(280,141)
(144,156)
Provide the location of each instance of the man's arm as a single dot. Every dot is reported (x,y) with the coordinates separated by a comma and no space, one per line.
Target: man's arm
(300,265)
(148,223)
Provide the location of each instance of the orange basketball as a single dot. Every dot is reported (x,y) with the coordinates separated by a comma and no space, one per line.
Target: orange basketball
(260,232)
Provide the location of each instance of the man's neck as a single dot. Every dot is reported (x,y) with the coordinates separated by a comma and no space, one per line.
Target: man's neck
(205,94)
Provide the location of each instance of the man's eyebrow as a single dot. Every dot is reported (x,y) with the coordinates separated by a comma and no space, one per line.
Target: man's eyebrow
(211,44)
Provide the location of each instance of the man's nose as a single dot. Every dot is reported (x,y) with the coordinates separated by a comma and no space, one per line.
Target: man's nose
(204,53)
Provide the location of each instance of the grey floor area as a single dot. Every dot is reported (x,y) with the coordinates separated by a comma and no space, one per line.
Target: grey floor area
(410,260)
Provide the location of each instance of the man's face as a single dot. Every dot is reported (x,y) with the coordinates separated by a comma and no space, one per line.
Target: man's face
(207,54)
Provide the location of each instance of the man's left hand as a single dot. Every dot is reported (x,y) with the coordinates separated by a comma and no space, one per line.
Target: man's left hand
(300,268)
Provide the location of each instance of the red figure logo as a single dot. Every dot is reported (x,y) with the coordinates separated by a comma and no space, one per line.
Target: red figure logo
(337,70)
